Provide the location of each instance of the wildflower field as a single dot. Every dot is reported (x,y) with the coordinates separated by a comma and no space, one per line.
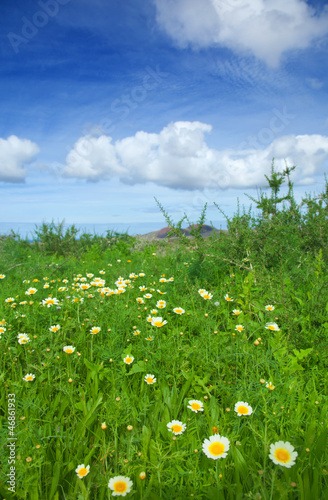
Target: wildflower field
(159,371)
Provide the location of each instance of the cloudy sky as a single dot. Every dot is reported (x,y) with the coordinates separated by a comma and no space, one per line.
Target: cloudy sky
(108,104)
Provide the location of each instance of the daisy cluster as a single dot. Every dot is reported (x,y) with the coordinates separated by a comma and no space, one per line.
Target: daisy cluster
(215,447)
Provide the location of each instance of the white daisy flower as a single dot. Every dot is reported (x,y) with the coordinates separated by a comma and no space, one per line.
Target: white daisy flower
(120,485)
(195,405)
(282,453)
(82,470)
(272,326)
(128,359)
(242,408)
(69,349)
(150,379)
(216,447)
(176,427)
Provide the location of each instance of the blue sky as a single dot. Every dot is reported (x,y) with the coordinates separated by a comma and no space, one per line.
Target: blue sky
(108,104)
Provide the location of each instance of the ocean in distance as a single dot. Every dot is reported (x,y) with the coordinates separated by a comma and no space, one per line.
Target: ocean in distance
(27,229)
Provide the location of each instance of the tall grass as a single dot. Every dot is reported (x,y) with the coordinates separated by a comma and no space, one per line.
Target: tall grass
(278,258)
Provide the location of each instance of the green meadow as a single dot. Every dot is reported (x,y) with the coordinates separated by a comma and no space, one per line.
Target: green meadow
(153,370)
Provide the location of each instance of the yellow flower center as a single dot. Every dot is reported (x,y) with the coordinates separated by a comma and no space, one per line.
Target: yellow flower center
(195,406)
(128,360)
(282,455)
(228,298)
(120,487)
(150,380)
(176,428)
(243,410)
(83,471)
(216,449)
(69,351)
(23,341)
(239,328)
(29,378)
(158,323)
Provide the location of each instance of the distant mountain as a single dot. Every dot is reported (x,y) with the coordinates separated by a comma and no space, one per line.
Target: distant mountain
(205,232)
(205,228)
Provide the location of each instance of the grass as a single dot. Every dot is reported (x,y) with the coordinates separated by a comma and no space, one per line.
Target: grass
(199,355)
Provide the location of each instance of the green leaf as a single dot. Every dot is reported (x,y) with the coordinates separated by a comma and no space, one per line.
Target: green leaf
(55,479)
(146,433)
(184,391)
(63,406)
(93,367)
(137,368)
(302,353)
(93,408)
(321,445)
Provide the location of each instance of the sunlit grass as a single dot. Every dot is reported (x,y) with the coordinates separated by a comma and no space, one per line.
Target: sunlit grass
(221,396)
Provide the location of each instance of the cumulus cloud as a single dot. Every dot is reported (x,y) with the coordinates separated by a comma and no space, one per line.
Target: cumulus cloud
(15,153)
(265,28)
(246,168)
(178,157)
(93,158)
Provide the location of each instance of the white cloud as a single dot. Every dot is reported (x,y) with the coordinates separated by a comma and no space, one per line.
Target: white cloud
(178,157)
(92,158)
(15,153)
(265,28)
(173,158)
